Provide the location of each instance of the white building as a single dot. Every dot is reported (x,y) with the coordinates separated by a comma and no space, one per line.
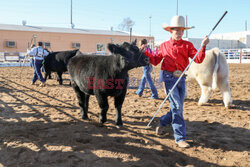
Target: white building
(234,40)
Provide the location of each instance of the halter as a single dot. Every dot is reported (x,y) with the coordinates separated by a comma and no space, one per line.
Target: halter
(142,54)
(140,57)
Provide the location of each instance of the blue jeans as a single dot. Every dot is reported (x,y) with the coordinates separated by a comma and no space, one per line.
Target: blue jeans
(31,62)
(37,71)
(176,100)
(147,78)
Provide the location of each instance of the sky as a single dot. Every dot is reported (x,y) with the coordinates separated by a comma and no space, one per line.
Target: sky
(104,14)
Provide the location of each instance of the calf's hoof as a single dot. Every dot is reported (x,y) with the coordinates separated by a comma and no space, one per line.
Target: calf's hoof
(102,120)
(228,105)
(200,103)
(119,125)
(85,117)
(100,124)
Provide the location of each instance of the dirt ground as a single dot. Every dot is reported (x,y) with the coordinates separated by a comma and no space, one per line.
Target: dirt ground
(41,126)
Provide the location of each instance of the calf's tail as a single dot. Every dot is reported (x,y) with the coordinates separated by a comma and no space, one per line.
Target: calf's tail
(216,53)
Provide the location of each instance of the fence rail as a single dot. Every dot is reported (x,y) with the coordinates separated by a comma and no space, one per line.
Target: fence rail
(18,58)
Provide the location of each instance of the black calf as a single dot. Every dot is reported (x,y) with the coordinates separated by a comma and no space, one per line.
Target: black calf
(57,62)
(104,76)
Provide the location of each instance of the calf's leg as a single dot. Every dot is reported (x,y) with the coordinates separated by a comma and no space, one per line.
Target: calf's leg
(59,78)
(83,101)
(50,77)
(103,104)
(205,94)
(118,106)
(225,90)
(46,75)
(86,106)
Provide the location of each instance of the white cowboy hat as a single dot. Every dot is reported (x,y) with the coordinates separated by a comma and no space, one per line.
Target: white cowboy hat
(177,21)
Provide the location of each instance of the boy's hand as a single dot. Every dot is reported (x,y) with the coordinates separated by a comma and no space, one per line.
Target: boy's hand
(205,41)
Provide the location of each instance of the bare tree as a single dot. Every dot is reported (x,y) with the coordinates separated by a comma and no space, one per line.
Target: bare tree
(126,24)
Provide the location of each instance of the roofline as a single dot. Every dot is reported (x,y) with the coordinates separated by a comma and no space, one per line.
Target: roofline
(30,28)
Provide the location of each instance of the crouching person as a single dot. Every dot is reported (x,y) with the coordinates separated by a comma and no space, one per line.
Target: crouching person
(38,53)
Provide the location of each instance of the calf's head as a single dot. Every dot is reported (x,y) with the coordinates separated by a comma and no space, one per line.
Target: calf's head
(131,53)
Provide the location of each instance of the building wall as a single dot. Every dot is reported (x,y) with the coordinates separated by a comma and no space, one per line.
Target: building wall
(231,35)
(248,41)
(221,44)
(60,41)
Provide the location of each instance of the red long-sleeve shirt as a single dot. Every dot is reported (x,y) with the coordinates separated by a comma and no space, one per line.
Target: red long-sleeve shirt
(175,55)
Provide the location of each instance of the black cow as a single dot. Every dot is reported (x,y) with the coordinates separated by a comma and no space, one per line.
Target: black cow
(104,76)
(57,62)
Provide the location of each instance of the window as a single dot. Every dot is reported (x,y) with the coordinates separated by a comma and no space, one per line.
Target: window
(10,44)
(76,45)
(100,48)
(47,44)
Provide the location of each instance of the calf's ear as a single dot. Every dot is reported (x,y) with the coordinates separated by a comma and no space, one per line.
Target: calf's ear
(113,48)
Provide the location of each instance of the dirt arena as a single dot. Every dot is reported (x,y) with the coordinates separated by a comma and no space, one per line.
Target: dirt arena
(41,126)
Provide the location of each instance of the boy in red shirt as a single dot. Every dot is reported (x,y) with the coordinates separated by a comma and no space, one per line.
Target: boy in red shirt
(175,54)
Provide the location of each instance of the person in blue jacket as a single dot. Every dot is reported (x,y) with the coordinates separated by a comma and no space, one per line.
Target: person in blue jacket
(38,53)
